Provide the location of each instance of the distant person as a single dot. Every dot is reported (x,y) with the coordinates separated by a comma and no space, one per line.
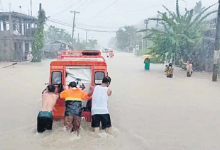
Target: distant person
(189,68)
(166,69)
(170,71)
(45,118)
(107,53)
(29,56)
(111,54)
(100,112)
(73,103)
(147,64)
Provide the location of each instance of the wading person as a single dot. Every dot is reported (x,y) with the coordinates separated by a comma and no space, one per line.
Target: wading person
(147,64)
(107,53)
(189,68)
(170,71)
(166,69)
(100,112)
(73,103)
(45,118)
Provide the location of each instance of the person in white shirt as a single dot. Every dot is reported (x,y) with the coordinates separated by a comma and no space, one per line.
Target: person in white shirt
(100,112)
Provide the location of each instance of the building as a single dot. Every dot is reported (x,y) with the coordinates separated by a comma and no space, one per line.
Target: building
(16,35)
(53,49)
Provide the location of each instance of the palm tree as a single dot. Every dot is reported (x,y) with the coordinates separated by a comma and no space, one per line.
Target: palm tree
(180,34)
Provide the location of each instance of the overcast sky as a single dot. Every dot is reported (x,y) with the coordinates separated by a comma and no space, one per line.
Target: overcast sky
(106,15)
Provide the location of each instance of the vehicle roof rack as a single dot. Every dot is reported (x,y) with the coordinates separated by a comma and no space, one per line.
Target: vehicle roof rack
(80,54)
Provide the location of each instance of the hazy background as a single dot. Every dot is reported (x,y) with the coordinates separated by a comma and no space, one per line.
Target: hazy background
(105,15)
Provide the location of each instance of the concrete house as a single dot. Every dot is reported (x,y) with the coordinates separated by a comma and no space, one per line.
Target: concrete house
(16,35)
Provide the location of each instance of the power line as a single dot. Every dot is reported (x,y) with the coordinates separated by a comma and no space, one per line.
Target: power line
(68,25)
(85,24)
(98,26)
(60,20)
(132,11)
(90,3)
(101,21)
(66,9)
(63,4)
(82,4)
(103,10)
(95,30)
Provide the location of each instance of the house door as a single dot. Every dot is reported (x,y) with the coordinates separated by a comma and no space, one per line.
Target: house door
(27,50)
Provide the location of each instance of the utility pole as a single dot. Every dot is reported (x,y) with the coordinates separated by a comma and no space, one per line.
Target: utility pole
(142,41)
(20,9)
(1,5)
(40,7)
(130,38)
(157,21)
(146,21)
(78,38)
(74,19)
(10,7)
(31,6)
(215,65)
(86,36)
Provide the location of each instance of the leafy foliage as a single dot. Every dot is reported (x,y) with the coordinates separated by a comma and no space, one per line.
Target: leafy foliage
(54,34)
(89,45)
(38,43)
(198,8)
(127,37)
(112,42)
(181,35)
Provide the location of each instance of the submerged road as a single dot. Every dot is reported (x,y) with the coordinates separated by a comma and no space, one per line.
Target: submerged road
(148,111)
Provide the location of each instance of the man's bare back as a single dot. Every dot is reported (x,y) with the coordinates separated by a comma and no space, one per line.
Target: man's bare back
(49,100)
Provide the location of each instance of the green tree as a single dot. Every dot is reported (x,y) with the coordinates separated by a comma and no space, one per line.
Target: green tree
(123,39)
(181,35)
(38,43)
(198,8)
(90,45)
(54,34)
(112,42)
(127,36)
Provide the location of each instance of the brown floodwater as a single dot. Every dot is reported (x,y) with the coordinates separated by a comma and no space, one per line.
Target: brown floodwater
(148,111)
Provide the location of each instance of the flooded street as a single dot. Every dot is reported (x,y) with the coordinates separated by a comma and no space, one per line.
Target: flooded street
(148,110)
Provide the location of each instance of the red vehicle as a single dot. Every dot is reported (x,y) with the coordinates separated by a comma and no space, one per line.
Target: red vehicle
(86,67)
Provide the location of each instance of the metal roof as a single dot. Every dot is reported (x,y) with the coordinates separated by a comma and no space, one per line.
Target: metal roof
(52,47)
(61,41)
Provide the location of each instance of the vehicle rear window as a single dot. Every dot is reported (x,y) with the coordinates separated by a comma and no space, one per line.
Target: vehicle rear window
(56,77)
(99,75)
(90,53)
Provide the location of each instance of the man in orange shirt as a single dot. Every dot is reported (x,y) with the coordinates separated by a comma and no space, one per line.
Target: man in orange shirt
(73,102)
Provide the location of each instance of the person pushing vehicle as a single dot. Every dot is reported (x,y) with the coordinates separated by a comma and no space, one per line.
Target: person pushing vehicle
(73,103)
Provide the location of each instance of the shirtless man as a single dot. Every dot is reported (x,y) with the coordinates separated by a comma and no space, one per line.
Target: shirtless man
(189,68)
(45,118)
